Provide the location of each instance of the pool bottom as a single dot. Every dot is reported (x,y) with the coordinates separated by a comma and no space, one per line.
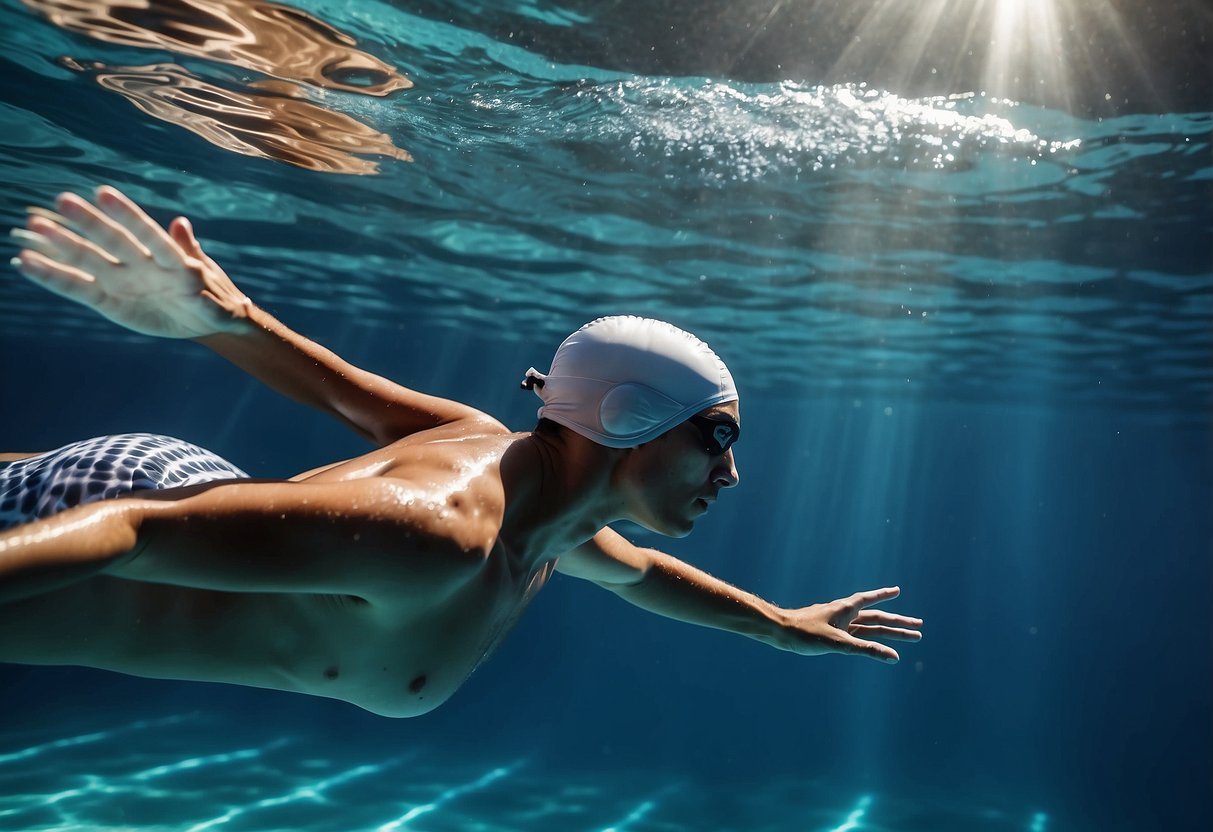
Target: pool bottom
(195,771)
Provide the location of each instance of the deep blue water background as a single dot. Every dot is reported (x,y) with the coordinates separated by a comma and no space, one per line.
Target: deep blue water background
(1030,460)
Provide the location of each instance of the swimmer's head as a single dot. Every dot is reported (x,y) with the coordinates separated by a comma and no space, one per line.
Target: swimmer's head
(623,381)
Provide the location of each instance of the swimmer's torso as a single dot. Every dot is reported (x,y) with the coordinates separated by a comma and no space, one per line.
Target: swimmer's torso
(398,650)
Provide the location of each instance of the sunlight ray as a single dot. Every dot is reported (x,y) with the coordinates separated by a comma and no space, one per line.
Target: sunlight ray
(449,795)
(314,792)
(97,736)
(193,763)
(856,816)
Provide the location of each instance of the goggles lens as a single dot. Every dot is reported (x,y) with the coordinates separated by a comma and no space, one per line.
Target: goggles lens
(718,432)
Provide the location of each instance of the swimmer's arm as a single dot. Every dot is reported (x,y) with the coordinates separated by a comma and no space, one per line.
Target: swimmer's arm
(662,584)
(113,258)
(375,407)
(365,538)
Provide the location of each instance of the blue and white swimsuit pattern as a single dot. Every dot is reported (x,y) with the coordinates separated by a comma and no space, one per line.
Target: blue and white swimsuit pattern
(97,469)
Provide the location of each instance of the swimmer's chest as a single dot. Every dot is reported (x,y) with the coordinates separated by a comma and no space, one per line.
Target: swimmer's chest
(409,661)
(396,659)
(401,662)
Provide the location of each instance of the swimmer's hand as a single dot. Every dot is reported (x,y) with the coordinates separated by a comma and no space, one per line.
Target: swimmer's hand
(847,626)
(115,259)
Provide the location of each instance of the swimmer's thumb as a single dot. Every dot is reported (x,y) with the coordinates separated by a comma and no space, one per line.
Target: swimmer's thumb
(182,233)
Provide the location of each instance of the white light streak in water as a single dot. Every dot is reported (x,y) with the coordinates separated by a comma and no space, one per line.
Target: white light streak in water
(94,789)
(446,796)
(853,820)
(193,763)
(635,816)
(85,739)
(313,792)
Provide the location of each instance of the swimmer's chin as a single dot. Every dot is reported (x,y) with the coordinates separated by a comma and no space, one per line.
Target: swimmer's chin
(682,528)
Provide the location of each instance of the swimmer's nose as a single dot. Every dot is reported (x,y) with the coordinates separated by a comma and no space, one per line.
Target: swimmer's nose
(726,475)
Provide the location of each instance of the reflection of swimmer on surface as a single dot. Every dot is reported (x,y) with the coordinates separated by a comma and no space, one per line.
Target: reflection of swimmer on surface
(260,122)
(266,37)
(385,579)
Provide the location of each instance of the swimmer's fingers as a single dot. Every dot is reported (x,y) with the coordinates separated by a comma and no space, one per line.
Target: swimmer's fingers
(87,220)
(868,631)
(122,210)
(874,596)
(61,279)
(871,649)
(46,213)
(890,618)
(50,238)
(182,233)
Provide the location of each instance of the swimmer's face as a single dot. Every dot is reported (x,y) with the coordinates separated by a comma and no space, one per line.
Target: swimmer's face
(677,479)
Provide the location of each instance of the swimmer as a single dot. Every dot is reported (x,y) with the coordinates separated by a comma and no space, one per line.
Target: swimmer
(382,580)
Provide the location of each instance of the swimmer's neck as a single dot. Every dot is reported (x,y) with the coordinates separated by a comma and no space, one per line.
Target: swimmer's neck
(559,493)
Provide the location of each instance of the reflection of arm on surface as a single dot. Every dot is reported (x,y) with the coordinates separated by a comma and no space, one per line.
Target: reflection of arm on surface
(274,120)
(271,118)
(273,39)
(664,585)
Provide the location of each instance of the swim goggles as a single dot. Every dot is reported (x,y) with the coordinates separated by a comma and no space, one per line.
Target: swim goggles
(719,432)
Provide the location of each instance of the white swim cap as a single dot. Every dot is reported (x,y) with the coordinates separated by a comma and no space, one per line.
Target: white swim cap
(622,381)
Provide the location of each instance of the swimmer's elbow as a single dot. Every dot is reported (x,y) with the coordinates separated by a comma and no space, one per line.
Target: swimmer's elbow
(630,587)
(624,581)
(608,560)
(75,544)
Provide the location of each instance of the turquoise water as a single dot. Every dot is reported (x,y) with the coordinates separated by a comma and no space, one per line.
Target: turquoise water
(299,781)
(973,339)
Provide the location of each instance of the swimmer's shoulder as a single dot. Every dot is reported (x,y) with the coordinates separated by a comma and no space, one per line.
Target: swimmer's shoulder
(447,446)
(477,427)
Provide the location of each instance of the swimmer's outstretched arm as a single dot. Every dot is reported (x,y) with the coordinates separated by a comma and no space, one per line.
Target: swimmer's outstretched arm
(363,537)
(662,584)
(112,257)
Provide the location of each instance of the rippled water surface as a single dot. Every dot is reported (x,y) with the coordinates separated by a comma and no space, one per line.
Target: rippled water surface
(956,246)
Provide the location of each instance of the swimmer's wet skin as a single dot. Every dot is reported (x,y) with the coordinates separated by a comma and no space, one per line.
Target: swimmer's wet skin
(386,579)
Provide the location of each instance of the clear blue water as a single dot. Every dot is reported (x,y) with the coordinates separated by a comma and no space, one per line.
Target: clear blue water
(973,338)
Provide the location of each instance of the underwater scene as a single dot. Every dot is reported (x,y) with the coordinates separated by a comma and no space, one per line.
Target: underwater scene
(958,257)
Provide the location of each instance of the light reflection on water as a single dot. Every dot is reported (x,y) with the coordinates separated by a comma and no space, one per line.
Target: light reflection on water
(277,40)
(273,117)
(268,121)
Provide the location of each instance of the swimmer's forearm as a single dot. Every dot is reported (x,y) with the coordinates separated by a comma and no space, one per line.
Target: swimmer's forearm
(308,373)
(73,545)
(674,589)
(669,587)
(375,407)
